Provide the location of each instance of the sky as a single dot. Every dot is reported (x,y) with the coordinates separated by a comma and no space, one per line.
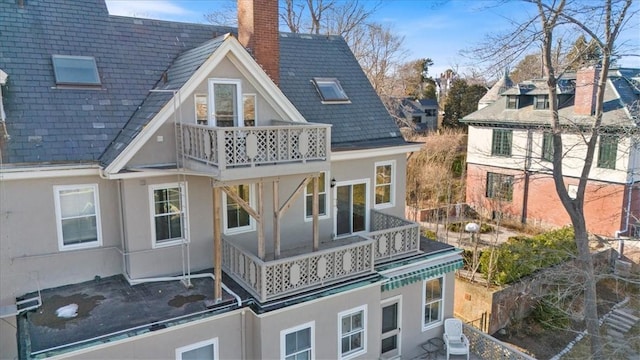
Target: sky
(436,29)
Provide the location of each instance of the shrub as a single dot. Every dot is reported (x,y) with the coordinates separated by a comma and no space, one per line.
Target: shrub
(549,314)
(521,256)
(430,234)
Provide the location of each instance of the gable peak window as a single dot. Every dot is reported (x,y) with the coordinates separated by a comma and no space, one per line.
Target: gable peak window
(330,90)
(226,97)
(75,70)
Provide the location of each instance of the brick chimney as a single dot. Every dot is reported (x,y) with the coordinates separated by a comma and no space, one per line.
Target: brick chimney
(586,85)
(258,32)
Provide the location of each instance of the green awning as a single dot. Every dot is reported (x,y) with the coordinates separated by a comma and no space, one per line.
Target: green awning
(419,275)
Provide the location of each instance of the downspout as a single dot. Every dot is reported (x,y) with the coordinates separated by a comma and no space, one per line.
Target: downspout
(630,183)
(527,166)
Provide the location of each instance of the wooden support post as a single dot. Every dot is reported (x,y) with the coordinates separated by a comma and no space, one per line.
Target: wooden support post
(217,244)
(276,219)
(315,212)
(259,220)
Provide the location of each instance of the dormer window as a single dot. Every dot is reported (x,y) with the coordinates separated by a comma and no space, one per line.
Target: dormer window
(541,102)
(75,70)
(512,102)
(330,90)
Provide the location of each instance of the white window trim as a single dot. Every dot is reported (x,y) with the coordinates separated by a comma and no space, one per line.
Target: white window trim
(239,122)
(195,106)
(335,207)
(255,107)
(349,312)
(326,200)
(252,221)
(426,327)
(96,199)
(285,332)
(183,349)
(392,184)
(185,204)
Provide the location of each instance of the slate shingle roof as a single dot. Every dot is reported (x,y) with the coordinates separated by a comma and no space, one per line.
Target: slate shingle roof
(621,109)
(56,125)
(303,57)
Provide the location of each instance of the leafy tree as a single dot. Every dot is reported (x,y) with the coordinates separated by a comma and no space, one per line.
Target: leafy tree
(462,100)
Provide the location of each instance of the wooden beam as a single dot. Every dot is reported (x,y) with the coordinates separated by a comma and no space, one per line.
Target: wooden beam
(243,204)
(316,212)
(287,204)
(276,219)
(260,223)
(217,244)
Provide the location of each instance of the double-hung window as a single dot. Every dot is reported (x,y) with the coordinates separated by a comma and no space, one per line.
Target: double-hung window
(512,102)
(225,95)
(541,102)
(297,343)
(501,142)
(433,301)
(547,146)
(322,197)
(236,218)
(384,189)
(203,350)
(168,214)
(499,186)
(607,151)
(78,216)
(352,334)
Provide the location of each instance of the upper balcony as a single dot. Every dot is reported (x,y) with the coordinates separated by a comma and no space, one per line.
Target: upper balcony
(300,268)
(232,153)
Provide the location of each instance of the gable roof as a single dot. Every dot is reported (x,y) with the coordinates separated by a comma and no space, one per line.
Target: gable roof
(50,124)
(620,108)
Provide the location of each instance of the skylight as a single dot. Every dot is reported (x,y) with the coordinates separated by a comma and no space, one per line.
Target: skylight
(75,70)
(330,90)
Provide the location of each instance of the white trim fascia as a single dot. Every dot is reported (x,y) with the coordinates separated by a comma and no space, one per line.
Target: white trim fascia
(376,152)
(46,172)
(230,46)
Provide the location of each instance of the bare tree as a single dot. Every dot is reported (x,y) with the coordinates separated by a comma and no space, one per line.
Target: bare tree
(601,22)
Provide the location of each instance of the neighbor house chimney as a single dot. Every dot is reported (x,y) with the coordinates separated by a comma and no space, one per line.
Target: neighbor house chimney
(586,85)
(258,32)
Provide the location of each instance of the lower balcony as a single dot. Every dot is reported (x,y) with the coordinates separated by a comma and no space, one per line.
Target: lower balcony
(301,268)
(230,153)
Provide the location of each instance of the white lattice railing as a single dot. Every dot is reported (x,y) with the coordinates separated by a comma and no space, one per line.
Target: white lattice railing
(233,147)
(269,280)
(393,235)
(488,347)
